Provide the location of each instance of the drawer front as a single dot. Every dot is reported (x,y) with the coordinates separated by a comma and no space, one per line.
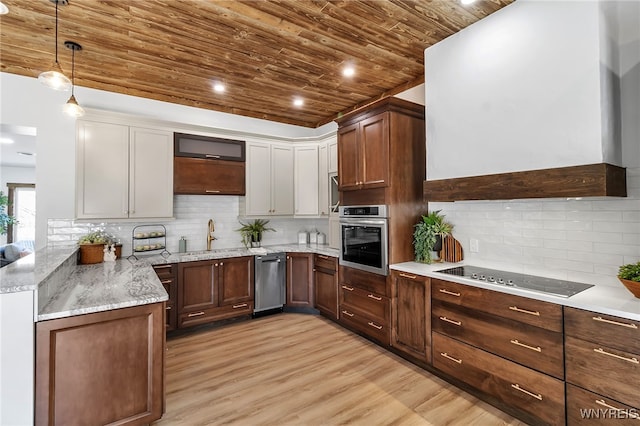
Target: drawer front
(373,305)
(533,347)
(189,319)
(171,317)
(604,370)
(535,393)
(365,280)
(326,262)
(165,271)
(529,311)
(615,332)
(588,408)
(356,320)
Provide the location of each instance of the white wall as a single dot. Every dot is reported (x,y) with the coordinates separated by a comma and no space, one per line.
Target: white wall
(583,240)
(518,90)
(10,174)
(415,94)
(26,102)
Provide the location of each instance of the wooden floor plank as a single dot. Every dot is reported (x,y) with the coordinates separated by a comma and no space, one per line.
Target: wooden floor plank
(294,369)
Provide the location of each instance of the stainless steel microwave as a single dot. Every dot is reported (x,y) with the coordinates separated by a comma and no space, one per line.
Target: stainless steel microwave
(364,238)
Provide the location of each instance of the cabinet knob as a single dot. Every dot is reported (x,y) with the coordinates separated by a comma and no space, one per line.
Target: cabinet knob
(221,263)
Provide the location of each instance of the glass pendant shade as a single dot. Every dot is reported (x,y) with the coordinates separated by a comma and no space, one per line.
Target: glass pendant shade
(55,79)
(72,108)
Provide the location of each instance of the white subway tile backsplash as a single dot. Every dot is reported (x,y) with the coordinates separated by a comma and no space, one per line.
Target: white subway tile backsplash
(579,239)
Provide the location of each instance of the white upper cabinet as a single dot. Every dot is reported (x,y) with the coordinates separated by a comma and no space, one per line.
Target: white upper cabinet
(306,180)
(333,156)
(269,179)
(323,180)
(123,171)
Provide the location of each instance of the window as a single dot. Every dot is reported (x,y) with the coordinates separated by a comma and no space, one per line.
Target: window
(22,205)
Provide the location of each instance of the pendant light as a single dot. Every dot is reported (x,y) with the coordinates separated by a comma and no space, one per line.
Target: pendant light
(71,107)
(55,78)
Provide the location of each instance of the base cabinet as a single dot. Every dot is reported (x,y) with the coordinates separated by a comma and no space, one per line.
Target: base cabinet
(169,279)
(300,288)
(325,274)
(102,368)
(411,315)
(213,290)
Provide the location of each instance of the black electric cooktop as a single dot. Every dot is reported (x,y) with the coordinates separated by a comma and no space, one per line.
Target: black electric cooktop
(552,286)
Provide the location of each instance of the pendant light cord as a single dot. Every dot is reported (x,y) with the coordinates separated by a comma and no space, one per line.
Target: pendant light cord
(73,70)
(56,31)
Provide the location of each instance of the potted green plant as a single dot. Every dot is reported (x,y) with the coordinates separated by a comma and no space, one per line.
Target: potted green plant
(428,235)
(629,276)
(92,246)
(251,232)
(5,219)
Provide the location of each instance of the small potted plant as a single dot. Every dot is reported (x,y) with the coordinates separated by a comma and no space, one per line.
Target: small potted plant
(629,276)
(428,235)
(5,219)
(251,232)
(92,246)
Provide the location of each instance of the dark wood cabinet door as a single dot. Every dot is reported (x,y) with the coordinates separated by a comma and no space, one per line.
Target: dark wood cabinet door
(348,157)
(101,368)
(326,283)
(411,305)
(208,177)
(235,280)
(167,274)
(300,280)
(374,151)
(197,289)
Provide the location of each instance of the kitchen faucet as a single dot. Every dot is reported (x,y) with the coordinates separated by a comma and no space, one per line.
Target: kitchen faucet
(210,231)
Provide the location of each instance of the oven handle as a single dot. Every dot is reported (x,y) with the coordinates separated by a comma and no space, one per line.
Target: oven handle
(376,222)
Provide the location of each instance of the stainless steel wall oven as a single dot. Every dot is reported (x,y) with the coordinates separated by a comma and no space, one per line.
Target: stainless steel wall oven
(363,238)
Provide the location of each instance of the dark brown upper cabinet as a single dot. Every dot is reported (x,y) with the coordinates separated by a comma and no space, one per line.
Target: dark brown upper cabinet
(197,146)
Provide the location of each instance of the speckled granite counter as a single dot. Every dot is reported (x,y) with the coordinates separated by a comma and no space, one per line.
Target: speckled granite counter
(26,273)
(83,289)
(617,301)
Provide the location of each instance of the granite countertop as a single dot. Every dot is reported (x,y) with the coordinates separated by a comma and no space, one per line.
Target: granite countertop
(26,273)
(608,300)
(82,289)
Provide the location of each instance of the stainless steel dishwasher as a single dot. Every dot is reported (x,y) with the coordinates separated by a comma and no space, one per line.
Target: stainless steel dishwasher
(270,281)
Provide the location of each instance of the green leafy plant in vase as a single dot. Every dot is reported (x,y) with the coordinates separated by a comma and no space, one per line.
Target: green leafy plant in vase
(5,219)
(92,246)
(629,276)
(251,232)
(428,235)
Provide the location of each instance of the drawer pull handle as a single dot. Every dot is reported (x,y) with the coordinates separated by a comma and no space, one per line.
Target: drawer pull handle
(211,156)
(535,395)
(347,288)
(622,324)
(211,191)
(168,308)
(447,356)
(322,256)
(533,348)
(524,311)
(411,277)
(347,313)
(241,305)
(166,281)
(195,314)
(162,266)
(374,325)
(371,296)
(603,352)
(611,407)
(450,321)
(450,293)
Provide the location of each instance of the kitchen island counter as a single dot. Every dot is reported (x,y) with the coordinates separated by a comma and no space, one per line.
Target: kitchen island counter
(608,300)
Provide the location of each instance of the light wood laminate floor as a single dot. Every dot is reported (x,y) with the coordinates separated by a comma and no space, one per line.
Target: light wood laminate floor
(295,369)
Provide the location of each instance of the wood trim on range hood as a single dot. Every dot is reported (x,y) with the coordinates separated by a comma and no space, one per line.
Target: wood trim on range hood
(592,180)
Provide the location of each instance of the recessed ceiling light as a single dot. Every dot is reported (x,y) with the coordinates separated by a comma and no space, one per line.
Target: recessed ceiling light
(348,71)
(6,140)
(466,2)
(3,9)
(298,102)
(218,87)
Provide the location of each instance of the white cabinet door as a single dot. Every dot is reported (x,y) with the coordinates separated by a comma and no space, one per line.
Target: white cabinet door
(102,164)
(151,173)
(282,180)
(323,180)
(306,180)
(258,179)
(333,156)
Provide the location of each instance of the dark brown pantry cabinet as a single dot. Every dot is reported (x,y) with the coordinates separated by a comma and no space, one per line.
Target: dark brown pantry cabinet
(325,273)
(101,368)
(411,315)
(212,290)
(300,280)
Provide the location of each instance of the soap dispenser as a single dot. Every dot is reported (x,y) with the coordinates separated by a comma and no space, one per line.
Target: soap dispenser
(182,245)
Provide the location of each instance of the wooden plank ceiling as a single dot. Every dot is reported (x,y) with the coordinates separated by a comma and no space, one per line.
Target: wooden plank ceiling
(265,52)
